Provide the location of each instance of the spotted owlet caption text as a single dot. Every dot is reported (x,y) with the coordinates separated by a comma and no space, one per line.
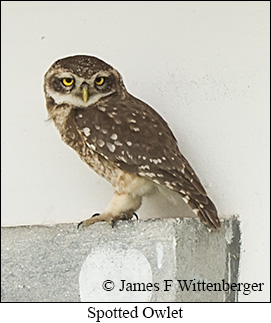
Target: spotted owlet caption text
(147,312)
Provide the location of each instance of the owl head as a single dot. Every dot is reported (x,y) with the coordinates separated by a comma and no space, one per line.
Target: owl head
(80,81)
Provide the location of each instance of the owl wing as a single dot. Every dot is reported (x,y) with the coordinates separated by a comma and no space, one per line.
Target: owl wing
(134,137)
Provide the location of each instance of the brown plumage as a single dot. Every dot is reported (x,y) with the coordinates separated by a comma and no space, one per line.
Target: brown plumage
(122,138)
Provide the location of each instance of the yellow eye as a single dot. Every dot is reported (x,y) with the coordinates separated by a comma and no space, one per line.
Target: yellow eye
(99,81)
(68,81)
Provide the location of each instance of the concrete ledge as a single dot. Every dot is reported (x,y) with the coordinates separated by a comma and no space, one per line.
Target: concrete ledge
(62,264)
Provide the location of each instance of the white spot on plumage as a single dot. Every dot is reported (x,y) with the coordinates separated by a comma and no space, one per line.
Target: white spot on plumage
(156,181)
(136,129)
(130,156)
(102,108)
(86,131)
(114,136)
(117,121)
(110,147)
(128,143)
(144,167)
(186,200)
(131,121)
(97,127)
(151,175)
(100,143)
(122,159)
(91,146)
(111,114)
(160,175)
(118,143)
(104,156)
(80,116)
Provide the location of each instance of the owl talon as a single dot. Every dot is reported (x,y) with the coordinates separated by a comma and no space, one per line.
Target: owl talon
(122,216)
(86,223)
(135,215)
(79,225)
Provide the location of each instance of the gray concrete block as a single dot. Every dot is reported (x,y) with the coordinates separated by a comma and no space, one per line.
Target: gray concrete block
(144,260)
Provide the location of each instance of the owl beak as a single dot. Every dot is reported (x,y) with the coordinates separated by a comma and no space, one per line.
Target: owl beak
(85,94)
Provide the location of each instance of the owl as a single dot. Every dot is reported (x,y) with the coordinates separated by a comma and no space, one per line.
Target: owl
(121,138)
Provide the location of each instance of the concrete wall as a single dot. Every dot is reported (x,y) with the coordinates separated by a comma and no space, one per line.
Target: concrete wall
(63,264)
(202,66)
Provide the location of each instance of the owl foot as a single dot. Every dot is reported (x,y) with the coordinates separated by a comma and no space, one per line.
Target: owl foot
(111,219)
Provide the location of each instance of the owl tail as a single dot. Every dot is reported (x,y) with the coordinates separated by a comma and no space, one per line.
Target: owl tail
(206,211)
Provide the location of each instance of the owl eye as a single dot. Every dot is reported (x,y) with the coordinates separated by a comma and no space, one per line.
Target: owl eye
(68,81)
(99,81)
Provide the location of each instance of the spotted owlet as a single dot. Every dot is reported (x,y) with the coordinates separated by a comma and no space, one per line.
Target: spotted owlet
(122,138)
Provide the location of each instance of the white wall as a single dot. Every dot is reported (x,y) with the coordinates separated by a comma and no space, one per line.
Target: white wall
(203,65)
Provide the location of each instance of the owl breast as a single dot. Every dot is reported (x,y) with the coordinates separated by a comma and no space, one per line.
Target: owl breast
(102,167)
